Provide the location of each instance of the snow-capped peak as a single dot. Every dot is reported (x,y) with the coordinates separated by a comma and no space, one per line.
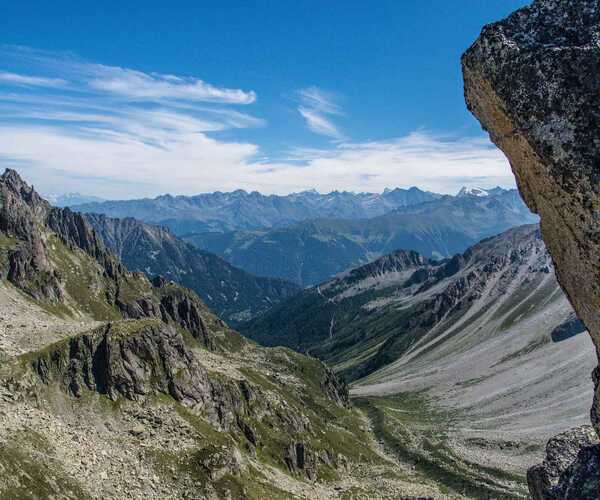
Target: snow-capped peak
(472,191)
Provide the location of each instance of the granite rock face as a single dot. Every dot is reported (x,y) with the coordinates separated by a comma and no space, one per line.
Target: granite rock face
(533,81)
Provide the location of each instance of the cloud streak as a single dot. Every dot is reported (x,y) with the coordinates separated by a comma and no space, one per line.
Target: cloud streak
(83,76)
(36,81)
(316,108)
(139,85)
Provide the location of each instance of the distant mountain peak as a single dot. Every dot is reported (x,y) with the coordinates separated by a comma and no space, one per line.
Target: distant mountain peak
(72,199)
(481,192)
(473,191)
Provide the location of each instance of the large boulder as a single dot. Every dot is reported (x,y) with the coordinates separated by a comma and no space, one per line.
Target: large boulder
(533,81)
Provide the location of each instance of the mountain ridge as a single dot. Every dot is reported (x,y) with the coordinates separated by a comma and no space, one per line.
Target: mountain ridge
(239,209)
(309,252)
(231,293)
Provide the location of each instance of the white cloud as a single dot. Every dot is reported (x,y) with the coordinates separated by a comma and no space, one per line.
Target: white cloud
(159,159)
(119,133)
(83,76)
(36,81)
(318,123)
(316,107)
(139,85)
(319,99)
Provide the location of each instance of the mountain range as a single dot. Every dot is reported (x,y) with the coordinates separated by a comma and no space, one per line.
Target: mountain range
(231,293)
(71,199)
(312,251)
(112,385)
(443,356)
(240,210)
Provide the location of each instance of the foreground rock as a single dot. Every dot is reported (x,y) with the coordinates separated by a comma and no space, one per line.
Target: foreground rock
(533,81)
(552,478)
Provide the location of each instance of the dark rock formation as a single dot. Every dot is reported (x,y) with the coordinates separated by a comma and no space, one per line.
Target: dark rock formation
(135,359)
(129,358)
(335,388)
(174,305)
(533,81)
(547,479)
(301,460)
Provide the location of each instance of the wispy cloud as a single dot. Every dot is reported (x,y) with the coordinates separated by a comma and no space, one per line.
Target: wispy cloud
(316,108)
(36,81)
(139,85)
(118,133)
(128,83)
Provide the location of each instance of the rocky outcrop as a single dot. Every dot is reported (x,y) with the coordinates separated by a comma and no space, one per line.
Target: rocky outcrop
(135,359)
(218,461)
(335,387)
(132,359)
(533,81)
(546,480)
(301,460)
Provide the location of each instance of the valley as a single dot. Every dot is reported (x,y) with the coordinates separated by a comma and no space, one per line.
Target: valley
(368,318)
(451,362)
(486,340)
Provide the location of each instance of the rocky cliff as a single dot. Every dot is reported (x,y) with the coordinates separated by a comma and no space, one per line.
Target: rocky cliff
(533,82)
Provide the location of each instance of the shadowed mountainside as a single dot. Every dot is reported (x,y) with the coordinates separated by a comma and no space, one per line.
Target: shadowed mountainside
(231,293)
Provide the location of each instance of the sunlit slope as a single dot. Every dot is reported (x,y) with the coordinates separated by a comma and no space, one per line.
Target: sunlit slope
(502,367)
(489,331)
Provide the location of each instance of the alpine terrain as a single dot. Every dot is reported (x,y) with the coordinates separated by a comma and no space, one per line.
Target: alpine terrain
(487,338)
(112,385)
(231,293)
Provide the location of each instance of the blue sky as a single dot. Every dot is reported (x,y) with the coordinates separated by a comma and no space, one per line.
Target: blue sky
(134,99)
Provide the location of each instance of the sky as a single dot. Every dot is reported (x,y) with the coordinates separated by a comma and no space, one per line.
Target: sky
(136,99)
